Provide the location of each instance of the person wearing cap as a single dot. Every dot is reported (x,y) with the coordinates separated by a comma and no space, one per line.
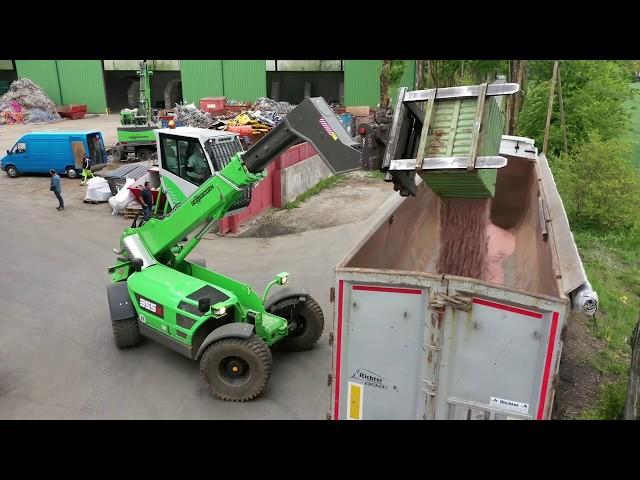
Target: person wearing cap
(56,189)
(146,197)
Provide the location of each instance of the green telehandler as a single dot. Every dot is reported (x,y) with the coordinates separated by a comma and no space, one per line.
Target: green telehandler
(157,293)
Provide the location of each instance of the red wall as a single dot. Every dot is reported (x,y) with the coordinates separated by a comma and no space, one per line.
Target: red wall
(268,192)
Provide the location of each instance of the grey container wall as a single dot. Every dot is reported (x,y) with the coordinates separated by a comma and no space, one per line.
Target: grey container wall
(412,344)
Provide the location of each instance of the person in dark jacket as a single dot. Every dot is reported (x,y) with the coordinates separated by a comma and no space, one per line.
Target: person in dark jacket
(56,189)
(147,200)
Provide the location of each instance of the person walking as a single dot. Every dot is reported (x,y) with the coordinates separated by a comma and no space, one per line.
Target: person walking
(56,189)
(86,170)
(147,200)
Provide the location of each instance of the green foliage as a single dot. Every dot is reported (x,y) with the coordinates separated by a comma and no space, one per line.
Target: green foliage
(593,93)
(323,184)
(600,187)
(610,405)
(451,73)
(396,70)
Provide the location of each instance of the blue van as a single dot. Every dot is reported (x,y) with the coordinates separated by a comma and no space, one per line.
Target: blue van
(39,152)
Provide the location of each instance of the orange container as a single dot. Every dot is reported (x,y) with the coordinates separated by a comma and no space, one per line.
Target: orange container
(243,130)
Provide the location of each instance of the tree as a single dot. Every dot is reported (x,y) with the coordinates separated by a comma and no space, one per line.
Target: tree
(599,185)
(390,75)
(593,94)
(517,73)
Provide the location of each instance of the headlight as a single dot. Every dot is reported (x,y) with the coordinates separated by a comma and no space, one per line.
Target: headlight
(220,311)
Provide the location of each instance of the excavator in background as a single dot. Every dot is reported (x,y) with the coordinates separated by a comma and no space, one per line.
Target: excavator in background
(136,131)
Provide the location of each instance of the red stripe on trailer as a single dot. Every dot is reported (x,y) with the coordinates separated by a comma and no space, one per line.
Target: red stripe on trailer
(508,308)
(336,409)
(547,366)
(411,291)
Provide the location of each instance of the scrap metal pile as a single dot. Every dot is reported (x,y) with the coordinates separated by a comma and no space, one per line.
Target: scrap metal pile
(261,117)
(191,116)
(26,102)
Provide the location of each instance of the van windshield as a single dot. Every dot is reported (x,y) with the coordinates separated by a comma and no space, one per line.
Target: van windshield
(19,147)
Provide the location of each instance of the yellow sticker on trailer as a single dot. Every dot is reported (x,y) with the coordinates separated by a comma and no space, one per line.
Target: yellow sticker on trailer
(354,401)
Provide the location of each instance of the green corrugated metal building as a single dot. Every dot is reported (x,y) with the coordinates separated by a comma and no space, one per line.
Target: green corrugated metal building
(242,80)
(68,81)
(92,82)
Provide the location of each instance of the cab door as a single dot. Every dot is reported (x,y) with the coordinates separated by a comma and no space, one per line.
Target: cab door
(18,156)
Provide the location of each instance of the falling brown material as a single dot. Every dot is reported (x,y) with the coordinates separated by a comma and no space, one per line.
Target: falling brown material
(463,237)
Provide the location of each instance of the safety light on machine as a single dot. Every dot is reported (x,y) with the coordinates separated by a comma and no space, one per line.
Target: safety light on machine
(219,310)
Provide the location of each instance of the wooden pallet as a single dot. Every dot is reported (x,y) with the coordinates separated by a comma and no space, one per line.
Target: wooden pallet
(132,212)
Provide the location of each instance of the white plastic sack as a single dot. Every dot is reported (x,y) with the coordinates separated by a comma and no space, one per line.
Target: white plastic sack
(121,200)
(98,190)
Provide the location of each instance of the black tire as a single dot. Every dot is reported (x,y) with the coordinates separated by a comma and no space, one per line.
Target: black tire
(251,356)
(12,171)
(144,154)
(71,173)
(118,154)
(126,332)
(307,325)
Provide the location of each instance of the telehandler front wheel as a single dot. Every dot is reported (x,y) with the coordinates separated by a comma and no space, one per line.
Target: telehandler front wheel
(126,332)
(306,323)
(236,369)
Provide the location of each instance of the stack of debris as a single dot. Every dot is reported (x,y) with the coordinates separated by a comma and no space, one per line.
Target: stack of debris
(26,102)
(191,116)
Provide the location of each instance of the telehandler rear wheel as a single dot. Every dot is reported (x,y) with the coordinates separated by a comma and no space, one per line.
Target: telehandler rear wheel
(306,323)
(126,332)
(236,369)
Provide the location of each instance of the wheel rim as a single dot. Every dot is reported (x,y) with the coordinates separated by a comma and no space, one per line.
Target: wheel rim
(234,370)
(12,171)
(295,323)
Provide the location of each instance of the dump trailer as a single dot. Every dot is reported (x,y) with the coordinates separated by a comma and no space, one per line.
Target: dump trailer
(409,343)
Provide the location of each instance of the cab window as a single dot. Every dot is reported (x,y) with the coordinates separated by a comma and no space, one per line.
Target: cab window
(19,148)
(185,158)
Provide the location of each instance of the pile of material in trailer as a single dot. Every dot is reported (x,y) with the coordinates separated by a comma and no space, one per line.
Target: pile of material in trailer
(26,102)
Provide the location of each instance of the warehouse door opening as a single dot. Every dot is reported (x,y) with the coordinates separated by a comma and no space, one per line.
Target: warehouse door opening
(7,75)
(294,80)
(123,86)
(293,87)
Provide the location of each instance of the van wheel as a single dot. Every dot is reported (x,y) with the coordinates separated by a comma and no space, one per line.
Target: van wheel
(12,171)
(71,173)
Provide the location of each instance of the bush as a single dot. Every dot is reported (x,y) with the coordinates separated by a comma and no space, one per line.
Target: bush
(599,185)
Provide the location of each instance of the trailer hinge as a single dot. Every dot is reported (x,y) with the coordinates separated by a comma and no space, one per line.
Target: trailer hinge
(330,338)
(329,379)
(329,416)
(457,301)
(332,294)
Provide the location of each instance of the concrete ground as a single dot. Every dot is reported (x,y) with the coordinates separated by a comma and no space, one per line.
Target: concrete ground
(352,200)
(57,355)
